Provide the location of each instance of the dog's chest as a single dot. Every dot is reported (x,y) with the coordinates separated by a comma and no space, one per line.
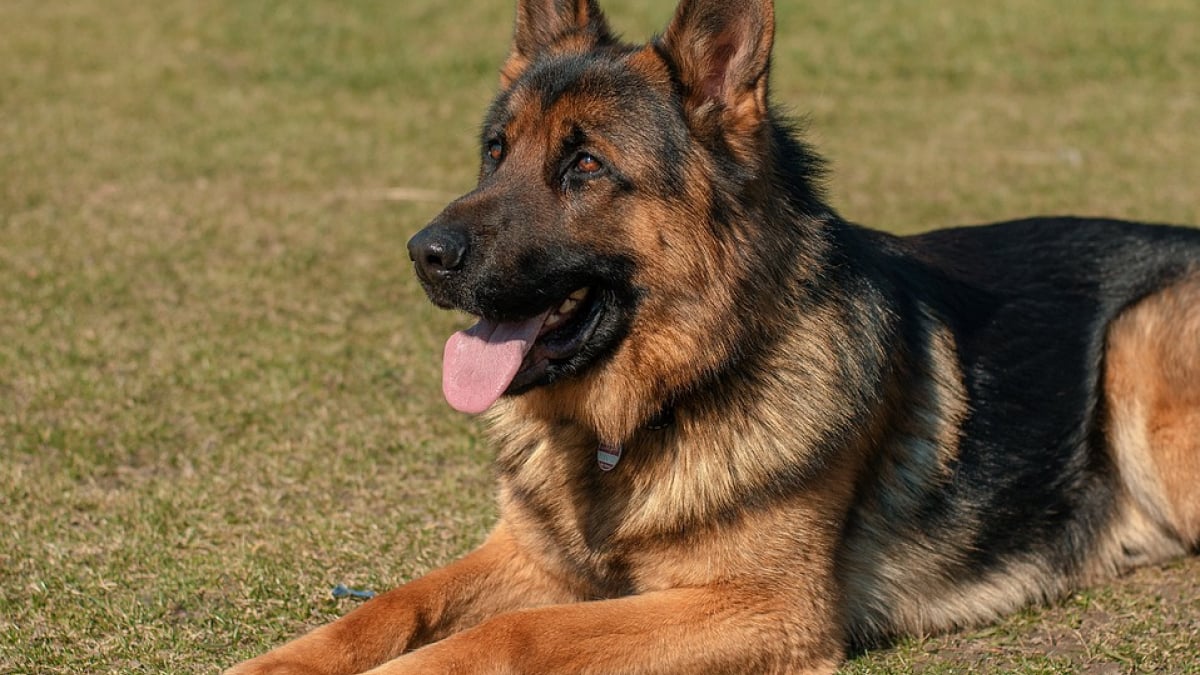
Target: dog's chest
(610,529)
(569,520)
(652,522)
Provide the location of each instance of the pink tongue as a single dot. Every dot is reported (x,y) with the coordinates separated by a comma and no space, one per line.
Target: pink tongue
(479,363)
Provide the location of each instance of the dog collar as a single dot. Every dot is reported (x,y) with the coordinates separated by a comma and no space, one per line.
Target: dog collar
(608,454)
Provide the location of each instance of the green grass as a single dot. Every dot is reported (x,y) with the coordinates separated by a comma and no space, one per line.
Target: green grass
(219,383)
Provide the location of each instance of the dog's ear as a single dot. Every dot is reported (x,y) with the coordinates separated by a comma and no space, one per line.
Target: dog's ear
(722,51)
(541,23)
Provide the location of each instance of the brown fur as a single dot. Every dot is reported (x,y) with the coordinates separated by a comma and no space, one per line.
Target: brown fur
(1153,388)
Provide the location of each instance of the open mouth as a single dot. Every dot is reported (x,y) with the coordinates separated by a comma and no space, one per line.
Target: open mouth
(492,358)
(566,328)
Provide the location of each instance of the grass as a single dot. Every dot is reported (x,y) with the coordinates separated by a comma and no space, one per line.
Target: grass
(219,382)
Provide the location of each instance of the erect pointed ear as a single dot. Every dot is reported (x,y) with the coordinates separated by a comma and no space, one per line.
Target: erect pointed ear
(722,50)
(541,23)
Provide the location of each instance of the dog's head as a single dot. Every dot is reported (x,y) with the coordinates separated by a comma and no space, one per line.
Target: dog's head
(607,245)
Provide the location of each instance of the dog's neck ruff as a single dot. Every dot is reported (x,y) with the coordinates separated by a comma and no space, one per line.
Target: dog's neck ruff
(608,454)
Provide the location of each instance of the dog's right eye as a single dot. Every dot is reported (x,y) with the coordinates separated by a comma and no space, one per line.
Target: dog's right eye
(586,164)
(495,151)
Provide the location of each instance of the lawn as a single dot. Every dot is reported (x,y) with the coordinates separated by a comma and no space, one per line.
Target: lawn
(219,383)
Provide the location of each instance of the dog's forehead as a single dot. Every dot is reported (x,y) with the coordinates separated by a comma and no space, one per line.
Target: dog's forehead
(600,89)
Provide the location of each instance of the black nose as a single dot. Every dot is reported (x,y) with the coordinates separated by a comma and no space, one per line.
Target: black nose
(438,250)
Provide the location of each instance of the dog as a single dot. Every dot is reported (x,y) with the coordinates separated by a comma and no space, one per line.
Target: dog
(738,434)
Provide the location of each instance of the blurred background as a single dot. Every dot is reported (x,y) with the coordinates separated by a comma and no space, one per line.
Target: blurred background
(219,383)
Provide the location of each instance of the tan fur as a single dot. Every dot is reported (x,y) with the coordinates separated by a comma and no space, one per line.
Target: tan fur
(1152,383)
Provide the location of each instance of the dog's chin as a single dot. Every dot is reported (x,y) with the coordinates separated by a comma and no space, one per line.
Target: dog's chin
(574,341)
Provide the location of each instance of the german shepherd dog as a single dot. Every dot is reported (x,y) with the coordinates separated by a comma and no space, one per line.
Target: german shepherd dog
(738,434)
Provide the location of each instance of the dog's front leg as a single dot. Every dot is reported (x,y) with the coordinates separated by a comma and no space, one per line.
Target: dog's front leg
(495,578)
(683,631)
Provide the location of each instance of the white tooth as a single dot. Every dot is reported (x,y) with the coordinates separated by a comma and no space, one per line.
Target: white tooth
(554,320)
(567,306)
(579,294)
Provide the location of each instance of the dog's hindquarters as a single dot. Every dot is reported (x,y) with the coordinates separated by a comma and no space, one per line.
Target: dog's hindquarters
(1152,393)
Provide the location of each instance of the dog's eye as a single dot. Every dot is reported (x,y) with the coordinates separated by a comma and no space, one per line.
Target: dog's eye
(495,151)
(587,164)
